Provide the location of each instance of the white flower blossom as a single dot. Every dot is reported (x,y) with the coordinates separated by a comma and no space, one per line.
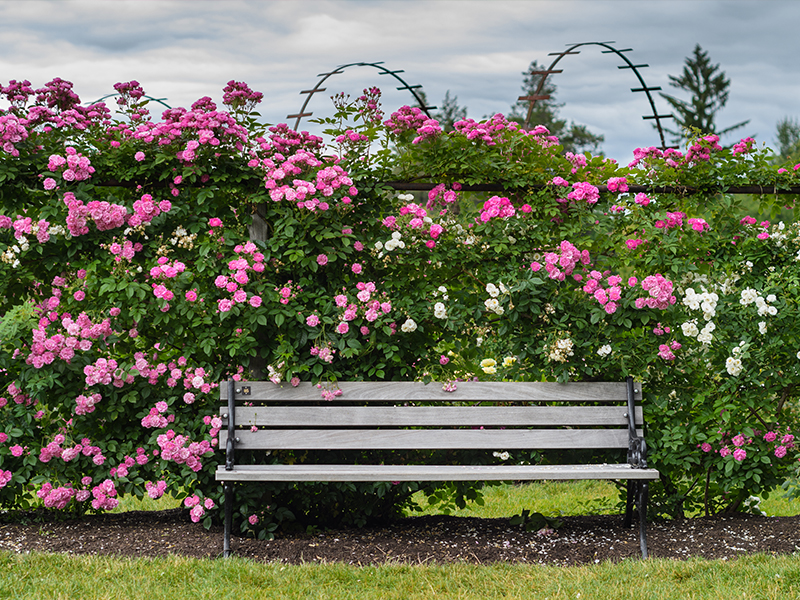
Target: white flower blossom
(604,350)
(439,311)
(733,366)
(748,296)
(492,290)
(690,329)
(561,350)
(408,326)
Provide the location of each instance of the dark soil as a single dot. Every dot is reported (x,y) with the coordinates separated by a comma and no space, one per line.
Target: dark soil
(429,539)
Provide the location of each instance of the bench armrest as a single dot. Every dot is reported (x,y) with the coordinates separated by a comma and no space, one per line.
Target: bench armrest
(637,453)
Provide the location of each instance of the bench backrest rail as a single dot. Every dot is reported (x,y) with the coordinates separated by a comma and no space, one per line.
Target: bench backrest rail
(406,391)
(523,416)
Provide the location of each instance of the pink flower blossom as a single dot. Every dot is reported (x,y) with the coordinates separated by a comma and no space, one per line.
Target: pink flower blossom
(322,260)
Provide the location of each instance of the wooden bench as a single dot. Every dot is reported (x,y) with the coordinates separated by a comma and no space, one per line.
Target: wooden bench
(495,416)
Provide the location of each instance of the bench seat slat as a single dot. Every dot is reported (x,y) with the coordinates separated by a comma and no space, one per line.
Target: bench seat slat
(429,416)
(431,439)
(432,472)
(472,391)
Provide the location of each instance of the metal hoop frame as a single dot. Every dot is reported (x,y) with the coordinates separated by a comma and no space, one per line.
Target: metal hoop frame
(609,49)
(340,69)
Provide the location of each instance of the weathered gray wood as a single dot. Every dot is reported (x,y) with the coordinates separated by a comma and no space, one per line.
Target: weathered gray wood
(473,391)
(431,439)
(428,416)
(432,472)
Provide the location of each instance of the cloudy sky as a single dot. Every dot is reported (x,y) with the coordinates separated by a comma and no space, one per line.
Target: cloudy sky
(182,50)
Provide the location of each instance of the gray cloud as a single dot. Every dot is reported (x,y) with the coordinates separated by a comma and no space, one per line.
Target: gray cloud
(182,50)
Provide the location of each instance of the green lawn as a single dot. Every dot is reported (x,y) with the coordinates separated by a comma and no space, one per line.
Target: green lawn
(49,577)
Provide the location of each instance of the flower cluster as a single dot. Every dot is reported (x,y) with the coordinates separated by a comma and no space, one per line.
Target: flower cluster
(606,297)
(104,496)
(72,167)
(441,196)
(558,266)
(105,215)
(80,332)
(249,259)
(489,132)
(155,490)
(239,96)
(12,131)
(498,208)
(492,304)
(659,291)
(324,351)
(751,296)
(156,419)
(197,507)
(408,326)
(415,218)
(560,350)
(174,448)
(584,191)
(406,118)
(328,392)
(674,220)
(705,301)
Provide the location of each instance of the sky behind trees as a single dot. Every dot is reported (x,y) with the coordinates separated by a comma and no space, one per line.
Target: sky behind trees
(181,50)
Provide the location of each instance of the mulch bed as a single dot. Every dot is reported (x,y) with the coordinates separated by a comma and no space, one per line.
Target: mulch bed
(414,540)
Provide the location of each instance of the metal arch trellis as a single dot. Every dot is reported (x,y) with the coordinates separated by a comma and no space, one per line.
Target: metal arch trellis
(159,100)
(537,95)
(340,69)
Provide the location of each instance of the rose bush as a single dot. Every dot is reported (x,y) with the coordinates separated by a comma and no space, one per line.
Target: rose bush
(145,260)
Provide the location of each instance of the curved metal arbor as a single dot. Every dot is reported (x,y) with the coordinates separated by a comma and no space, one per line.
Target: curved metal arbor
(159,100)
(340,69)
(537,95)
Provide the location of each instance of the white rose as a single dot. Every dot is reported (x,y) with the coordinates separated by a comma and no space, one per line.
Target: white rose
(408,326)
(604,350)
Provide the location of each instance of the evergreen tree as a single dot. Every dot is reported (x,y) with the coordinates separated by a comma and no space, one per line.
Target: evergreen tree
(450,112)
(574,137)
(788,138)
(709,89)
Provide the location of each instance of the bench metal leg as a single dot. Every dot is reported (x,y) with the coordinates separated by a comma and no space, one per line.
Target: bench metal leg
(642,502)
(226,545)
(631,494)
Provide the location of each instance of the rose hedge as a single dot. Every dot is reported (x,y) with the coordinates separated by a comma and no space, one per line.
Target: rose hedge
(143,261)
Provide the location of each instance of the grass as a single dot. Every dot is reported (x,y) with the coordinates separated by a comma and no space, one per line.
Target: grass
(36,576)
(55,577)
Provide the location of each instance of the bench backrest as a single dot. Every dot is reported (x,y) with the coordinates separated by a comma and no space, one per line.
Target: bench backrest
(478,415)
